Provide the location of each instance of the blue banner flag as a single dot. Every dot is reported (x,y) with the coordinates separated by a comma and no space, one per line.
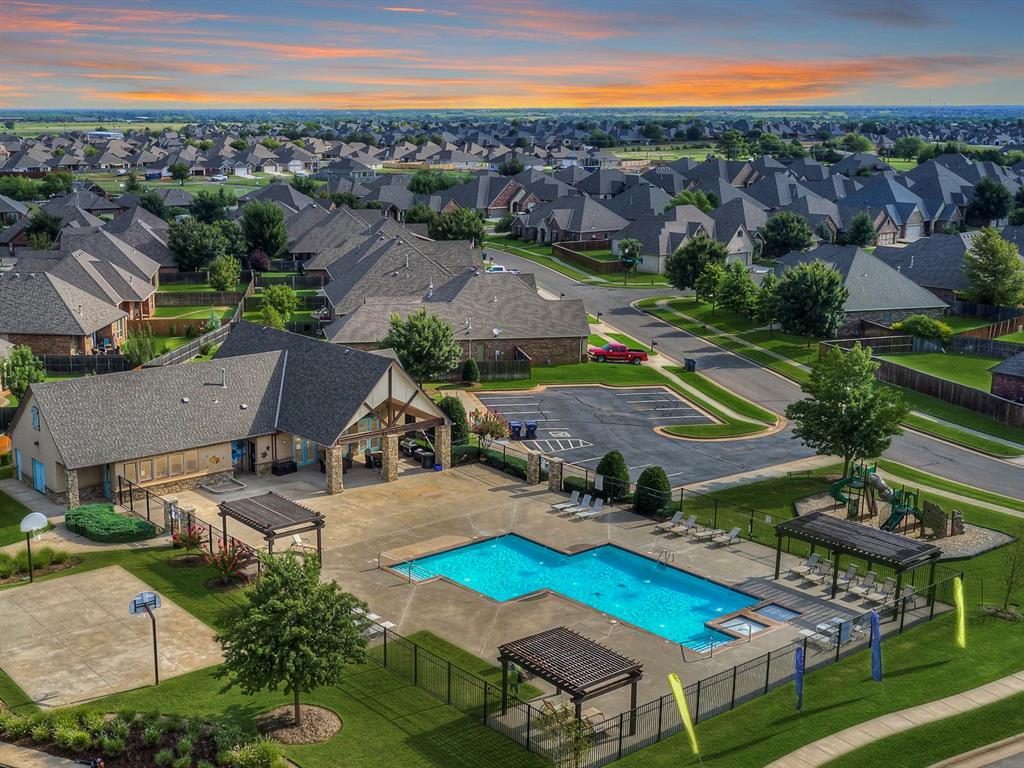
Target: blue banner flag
(799,661)
(876,647)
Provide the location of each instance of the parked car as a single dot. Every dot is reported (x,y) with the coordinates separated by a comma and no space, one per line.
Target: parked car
(613,352)
(219,177)
(499,268)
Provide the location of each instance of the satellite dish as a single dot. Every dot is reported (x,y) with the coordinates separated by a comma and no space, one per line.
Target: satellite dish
(495,331)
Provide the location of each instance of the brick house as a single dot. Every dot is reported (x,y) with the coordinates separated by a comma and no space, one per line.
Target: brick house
(1008,378)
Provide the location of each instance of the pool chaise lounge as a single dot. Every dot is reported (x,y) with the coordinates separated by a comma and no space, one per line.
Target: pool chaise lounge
(687,526)
(574,499)
(706,535)
(809,566)
(867,584)
(594,511)
(584,504)
(732,537)
(666,525)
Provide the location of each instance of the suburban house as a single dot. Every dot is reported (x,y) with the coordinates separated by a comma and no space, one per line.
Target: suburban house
(11,211)
(935,263)
(247,411)
(577,218)
(877,292)
(495,317)
(1008,378)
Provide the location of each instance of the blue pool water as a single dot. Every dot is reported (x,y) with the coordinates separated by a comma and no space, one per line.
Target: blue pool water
(661,599)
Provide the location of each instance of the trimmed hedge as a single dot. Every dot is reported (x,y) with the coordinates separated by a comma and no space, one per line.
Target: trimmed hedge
(653,491)
(99,522)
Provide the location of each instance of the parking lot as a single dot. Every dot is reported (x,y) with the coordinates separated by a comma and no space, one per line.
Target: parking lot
(581,423)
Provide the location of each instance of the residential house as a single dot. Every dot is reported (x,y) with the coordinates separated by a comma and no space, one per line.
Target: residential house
(11,211)
(578,219)
(1008,378)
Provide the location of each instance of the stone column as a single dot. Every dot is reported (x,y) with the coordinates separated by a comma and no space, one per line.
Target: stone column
(554,474)
(168,517)
(443,444)
(71,479)
(389,463)
(532,467)
(335,485)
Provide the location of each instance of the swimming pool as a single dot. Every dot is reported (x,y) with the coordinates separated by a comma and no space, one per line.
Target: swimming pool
(635,589)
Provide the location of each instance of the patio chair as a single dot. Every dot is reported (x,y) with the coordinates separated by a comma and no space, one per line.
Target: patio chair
(594,511)
(584,504)
(667,524)
(908,595)
(849,578)
(884,594)
(706,535)
(574,498)
(687,526)
(810,566)
(301,544)
(732,537)
(867,584)
(821,574)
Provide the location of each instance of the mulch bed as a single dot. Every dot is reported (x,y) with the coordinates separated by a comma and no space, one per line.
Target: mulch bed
(71,562)
(216,584)
(318,724)
(187,561)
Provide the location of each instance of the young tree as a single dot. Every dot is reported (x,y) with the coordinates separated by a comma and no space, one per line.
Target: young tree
(209,207)
(19,369)
(180,172)
(139,347)
(854,142)
(193,244)
(629,255)
(737,291)
(56,183)
(684,266)
(131,183)
(991,201)
(505,223)
(153,203)
(421,213)
(709,282)
(293,632)
(263,227)
(425,344)
(457,224)
(44,224)
(615,473)
(994,270)
(282,298)
(271,317)
(305,185)
(239,144)
(653,491)
(862,231)
(456,412)
(732,144)
(234,240)
(224,273)
(845,413)
(487,426)
(1013,568)
(696,198)
(511,167)
(783,232)
(908,147)
(765,306)
(470,371)
(809,300)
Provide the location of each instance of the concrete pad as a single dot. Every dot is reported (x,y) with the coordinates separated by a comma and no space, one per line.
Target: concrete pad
(71,639)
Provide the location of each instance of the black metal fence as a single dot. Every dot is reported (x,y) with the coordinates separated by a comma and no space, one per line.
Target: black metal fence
(494,370)
(85,363)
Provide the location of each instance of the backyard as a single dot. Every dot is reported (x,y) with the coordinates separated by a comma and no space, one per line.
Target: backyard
(969,370)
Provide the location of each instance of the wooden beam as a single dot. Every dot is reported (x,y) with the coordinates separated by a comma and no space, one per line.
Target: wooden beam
(427,424)
(405,407)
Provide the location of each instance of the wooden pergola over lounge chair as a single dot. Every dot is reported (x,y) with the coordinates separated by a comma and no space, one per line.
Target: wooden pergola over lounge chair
(572,663)
(273,517)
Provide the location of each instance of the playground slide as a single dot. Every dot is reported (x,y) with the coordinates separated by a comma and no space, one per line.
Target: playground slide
(898,513)
(883,490)
(836,490)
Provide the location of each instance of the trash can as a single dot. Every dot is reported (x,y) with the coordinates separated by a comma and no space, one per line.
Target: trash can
(515,429)
(691,364)
(531,430)
(428,459)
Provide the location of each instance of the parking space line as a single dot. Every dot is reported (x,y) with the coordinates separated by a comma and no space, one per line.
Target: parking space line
(668,408)
(635,392)
(519,413)
(680,417)
(656,400)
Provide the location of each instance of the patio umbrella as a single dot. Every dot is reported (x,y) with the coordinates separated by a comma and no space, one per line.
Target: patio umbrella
(799,663)
(876,647)
(684,710)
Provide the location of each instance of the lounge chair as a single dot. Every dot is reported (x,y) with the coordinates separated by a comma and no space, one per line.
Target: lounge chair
(584,504)
(821,574)
(667,524)
(689,525)
(884,594)
(594,511)
(867,584)
(732,537)
(301,544)
(573,500)
(849,578)
(706,535)
(810,566)
(909,595)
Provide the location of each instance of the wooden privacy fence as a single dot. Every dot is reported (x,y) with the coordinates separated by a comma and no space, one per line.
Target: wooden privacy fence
(994,331)
(986,347)
(200,298)
(187,351)
(985,311)
(879,345)
(571,252)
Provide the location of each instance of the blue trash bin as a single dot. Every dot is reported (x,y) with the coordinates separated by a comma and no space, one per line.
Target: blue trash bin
(515,429)
(531,430)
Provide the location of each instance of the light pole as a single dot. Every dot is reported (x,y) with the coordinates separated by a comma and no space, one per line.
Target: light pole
(31,524)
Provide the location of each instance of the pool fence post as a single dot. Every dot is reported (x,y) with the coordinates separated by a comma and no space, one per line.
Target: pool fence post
(661,707)
(504,686)
(385,647)
(485,701)
(622,716)
(415,664)
(147,507)
(696,704)
(715,522)
(733,704)
(767,671)
(448,698)
(839,636)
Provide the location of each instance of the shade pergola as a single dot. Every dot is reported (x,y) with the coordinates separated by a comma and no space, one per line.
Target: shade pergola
(272,516)
(847,537)
(572,663)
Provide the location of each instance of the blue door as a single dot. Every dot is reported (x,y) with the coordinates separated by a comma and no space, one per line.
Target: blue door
(304,451)
(17,464)
(38,476)
(106,481)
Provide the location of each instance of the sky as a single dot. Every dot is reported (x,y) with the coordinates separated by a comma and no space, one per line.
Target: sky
(414,54)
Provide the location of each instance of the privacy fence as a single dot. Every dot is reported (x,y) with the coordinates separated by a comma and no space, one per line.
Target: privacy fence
(190,349)
(493,370)
(83,364)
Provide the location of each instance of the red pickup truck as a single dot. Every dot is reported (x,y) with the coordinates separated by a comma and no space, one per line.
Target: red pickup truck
(614,352)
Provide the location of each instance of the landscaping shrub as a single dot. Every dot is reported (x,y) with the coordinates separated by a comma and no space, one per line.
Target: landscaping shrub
(926,327)
(206,348)
(571,484)
(505,223)
(42,557)
(616,476)
(262,753)
(653,491)
(163,757)
(99,522)
(8,566)
(470,371)
(463,454)
(456,411)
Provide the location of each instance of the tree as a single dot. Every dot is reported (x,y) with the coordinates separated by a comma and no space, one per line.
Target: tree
(234,240)
(809,300)
(861,232)
(505,223)
(239,144)
(194,245)
(282,298)
(732,144)
(770,144)
(209,207)
(180,172)
(765,306)
(425,344)
(470,371)
(511,167)
(457,224)
(224,273)
(629,255)
(305,185)
(293,631)
(131,183)
(653,491)
(709,282)
(421,213)
(425,182)
(56,183)
(19,369)
(488,425)
(783,232)
(736,291)
(139,347)
(1013,567)
(908,147)
(271,317)
(994,270)
(653,132)
(990,202)
(153,203)
(615,475)
(456,413)
(854,142)
(263,227)
(696,198)
(685,264)
(845,413)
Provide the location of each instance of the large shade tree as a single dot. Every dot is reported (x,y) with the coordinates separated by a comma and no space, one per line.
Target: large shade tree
(685,264)
(425,344)
(810,299)
(783,232)
(263,228)
(994,270)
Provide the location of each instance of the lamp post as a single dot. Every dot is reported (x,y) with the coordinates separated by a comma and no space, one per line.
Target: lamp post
(31,524)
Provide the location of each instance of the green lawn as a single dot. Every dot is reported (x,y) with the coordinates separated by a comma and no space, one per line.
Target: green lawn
(722,395)
(1016,338)
(961,323)
(596,341)
(541,254)
(194,288)
(295,317)
(11,513)
(34,128)
(194,313)
(942,484)
(463,658)
(969,370)
(14,697)
(632,343)
(168,343)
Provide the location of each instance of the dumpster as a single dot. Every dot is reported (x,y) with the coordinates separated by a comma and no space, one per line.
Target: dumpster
(515,429)
(531,430)
(428,459)
(691,364)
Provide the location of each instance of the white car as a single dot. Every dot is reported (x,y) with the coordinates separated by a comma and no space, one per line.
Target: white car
(500,268)
(219,177)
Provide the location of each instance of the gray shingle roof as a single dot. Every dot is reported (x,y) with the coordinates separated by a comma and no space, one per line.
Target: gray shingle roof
(1012,366)
(43,304)
(932,262)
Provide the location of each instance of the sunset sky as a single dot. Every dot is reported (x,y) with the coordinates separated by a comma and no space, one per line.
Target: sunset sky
(335,54)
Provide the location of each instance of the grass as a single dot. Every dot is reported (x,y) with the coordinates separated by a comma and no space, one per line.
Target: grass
(195,288)
(541,254)
(960,437)
(34,128)
(194,313)
(942,484)
(11,513)
(722,395)
(960,323)
(632,343)
(474,664)
(934,742)
(596,341)
(1016,337)
(294,317)
(969,370)
(14,697)
(167,343)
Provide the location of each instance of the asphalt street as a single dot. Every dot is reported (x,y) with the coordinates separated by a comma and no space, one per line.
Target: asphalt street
(759,384)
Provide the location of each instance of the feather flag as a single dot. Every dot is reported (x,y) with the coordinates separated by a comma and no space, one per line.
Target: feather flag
(799,662)
(684,710)
(961,612)
(876,647)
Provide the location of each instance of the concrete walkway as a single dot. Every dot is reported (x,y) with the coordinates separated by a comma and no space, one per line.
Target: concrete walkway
(22,757)
(1002,754)
(829,748)
(36,502)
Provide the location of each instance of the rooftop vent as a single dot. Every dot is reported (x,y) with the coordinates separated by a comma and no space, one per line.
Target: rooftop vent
(244,406)
(184,400)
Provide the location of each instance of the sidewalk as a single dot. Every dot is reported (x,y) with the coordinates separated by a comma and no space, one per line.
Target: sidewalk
(20,757)
(829,748)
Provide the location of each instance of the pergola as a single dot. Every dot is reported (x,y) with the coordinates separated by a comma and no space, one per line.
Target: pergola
(272,516)
(841,536)
(572,663)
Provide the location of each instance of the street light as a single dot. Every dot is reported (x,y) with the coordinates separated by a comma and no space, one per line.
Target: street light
(31,524)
